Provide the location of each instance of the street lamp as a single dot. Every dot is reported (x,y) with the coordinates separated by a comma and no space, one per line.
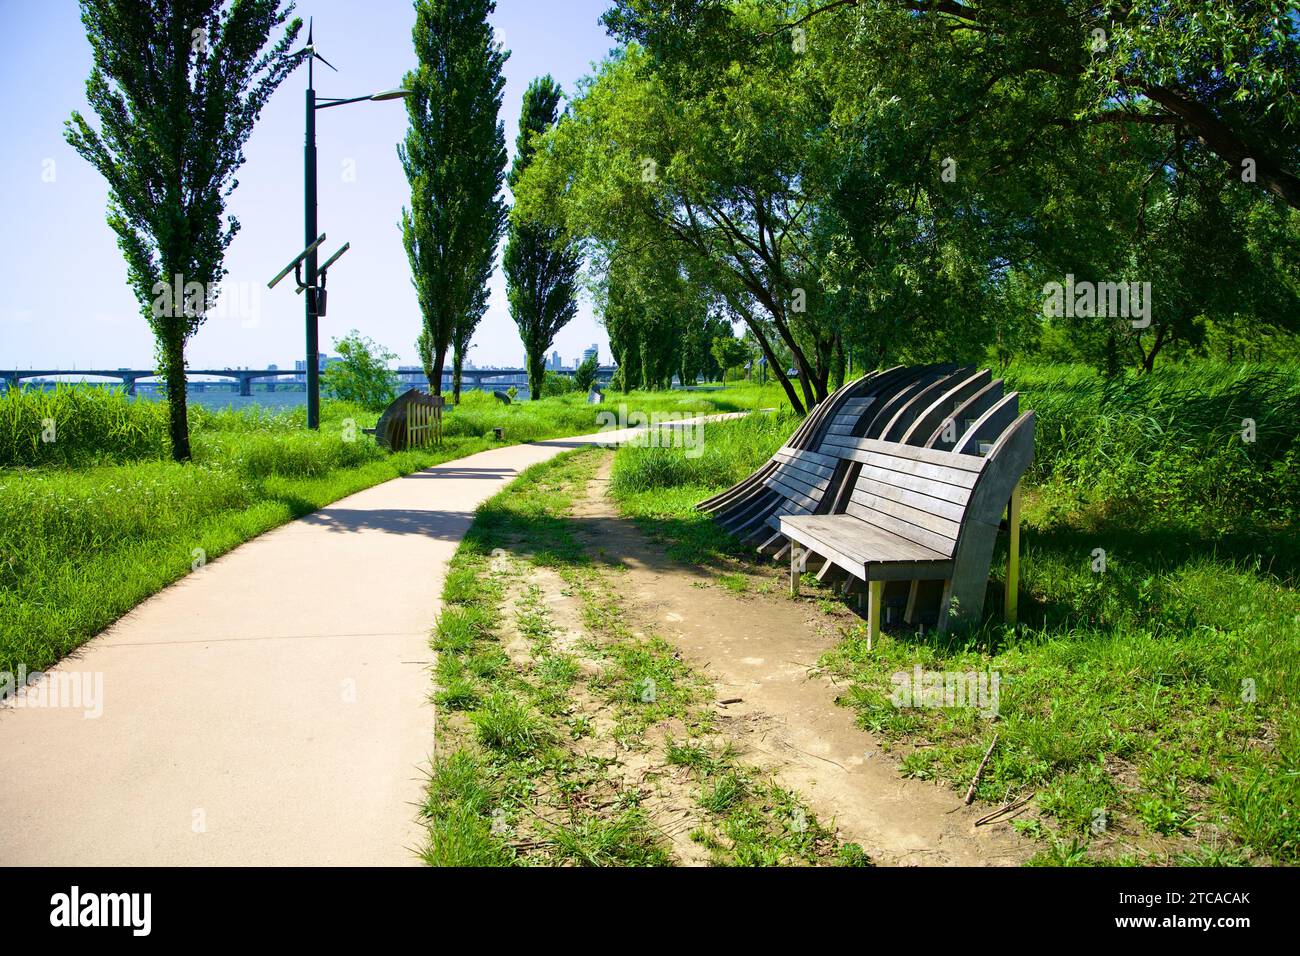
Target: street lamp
(309,216)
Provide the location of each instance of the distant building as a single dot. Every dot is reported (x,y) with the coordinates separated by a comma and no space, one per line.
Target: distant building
(325,360)
(594,350)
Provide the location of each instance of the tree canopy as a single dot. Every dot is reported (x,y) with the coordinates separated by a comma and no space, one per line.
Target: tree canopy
(869,182)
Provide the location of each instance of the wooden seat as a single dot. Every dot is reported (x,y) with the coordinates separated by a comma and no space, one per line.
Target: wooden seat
(916,514)
(866,551)
(889,464)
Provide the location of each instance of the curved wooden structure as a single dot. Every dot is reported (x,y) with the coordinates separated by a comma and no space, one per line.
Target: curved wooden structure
(412,420)
(926,421)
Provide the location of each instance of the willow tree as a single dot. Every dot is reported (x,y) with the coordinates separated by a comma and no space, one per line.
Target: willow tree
(540,262)
(177,86)
(454,156)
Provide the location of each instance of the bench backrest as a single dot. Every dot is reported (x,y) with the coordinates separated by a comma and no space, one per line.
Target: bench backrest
(801,478)
(920,494)
(928,495)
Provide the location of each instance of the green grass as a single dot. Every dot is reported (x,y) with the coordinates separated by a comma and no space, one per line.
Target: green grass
(1152,708)
(660,486)
(517,777)
(98,519)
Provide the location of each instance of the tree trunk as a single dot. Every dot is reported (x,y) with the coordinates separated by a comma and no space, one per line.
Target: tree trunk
(1149,358)
(752,324)
(1112,356)
(457,363)
(432,358)
(173,370)
(627,379)
(837,362)
(435,373)
(775,366)
(536,374)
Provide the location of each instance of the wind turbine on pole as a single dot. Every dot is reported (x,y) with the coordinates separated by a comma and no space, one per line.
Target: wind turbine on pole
(315,298)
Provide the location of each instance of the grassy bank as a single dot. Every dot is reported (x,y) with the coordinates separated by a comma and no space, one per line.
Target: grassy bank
(96,519)
(1150,708)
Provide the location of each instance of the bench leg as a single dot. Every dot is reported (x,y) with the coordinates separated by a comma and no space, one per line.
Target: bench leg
(875,598)
(913,593)
(796,556)
(1010,605)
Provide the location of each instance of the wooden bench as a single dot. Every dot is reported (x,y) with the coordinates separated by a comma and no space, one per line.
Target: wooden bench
(917,514)
(412,420)
(792,481)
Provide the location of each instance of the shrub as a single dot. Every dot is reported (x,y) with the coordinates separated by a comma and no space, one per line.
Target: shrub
(584,376)
(556,384)
(361,375)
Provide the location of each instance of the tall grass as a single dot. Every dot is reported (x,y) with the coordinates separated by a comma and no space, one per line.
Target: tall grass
(1171,447)
(98,519)
(78,425)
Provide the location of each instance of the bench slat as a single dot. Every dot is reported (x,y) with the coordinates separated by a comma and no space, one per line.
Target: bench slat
(927,520)
(793,493)
(805,464)
(954,494)
(799,481)
(855,540)
(904,529)
(932,456)
(937,473)
(827,460)
(948,510)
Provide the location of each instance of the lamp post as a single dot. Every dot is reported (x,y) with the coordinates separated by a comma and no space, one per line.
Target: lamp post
(309,216)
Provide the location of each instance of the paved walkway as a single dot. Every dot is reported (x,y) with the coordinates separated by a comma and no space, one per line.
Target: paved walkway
(271,708)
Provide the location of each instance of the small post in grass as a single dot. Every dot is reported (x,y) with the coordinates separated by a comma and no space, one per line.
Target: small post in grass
(796,568)
(1011,599)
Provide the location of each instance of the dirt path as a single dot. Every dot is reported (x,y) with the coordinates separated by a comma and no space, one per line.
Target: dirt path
(762,648)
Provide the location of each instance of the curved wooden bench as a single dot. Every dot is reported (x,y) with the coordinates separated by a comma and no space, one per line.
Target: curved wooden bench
(412,420)
(745,509)
(819,472)
(918,514)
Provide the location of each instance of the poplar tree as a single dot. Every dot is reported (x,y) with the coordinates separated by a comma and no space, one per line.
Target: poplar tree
(454,156)
(541,262)
(177,86)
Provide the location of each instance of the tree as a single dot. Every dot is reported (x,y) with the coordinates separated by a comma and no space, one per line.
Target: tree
(177,86)
(1226,72)
(361,375)
(454,156)
(540,262)
(729,352)
(584,376)
(716,176)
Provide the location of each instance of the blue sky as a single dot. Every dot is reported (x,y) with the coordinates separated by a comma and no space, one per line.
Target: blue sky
(64,301)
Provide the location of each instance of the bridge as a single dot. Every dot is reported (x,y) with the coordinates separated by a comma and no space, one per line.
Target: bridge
(489,379)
